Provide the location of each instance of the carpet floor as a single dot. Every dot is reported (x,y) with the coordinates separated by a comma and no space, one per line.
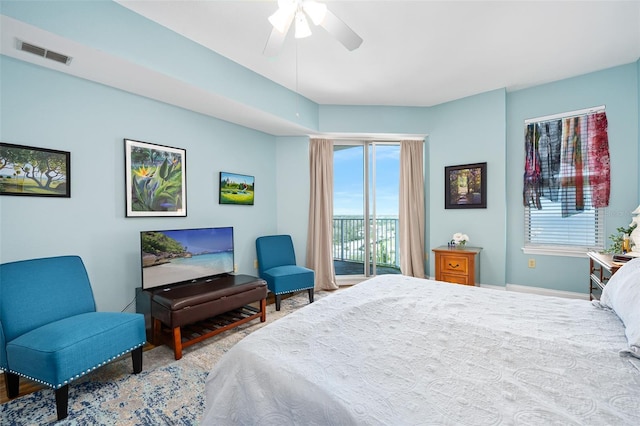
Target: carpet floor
(166,392)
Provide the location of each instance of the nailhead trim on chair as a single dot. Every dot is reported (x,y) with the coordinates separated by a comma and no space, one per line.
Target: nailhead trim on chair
(291,291)
(66,382)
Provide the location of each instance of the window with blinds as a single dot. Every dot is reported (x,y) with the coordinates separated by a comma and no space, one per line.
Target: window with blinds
(566,182)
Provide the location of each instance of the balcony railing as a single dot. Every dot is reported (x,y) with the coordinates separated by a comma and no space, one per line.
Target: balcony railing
(349,240)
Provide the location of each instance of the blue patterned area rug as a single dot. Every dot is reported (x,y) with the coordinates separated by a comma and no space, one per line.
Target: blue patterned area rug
(166,392)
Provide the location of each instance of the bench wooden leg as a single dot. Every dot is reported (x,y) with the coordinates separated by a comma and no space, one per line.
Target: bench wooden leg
(156,332)
(177,343)
(263,309)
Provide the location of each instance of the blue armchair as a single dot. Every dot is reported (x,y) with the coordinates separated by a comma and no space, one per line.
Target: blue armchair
(277,266)
(50,331)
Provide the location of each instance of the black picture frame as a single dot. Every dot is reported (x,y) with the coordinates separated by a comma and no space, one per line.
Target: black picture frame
(36,172)
(236,188)
(465,186)
(155,180)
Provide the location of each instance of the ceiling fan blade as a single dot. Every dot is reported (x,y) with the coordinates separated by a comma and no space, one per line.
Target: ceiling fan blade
(275,42)
(337,28)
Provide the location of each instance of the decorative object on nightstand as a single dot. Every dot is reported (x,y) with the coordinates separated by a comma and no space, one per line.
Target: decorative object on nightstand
(457,265)
(459,240)
(617,240)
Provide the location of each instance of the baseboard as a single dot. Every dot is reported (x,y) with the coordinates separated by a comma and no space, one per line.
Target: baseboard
(546,291)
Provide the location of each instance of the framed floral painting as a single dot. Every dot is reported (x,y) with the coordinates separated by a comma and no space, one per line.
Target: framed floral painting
(155,179)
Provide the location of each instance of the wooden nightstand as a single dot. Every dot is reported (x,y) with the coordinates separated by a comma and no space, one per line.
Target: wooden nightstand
(601,268)
(456,265)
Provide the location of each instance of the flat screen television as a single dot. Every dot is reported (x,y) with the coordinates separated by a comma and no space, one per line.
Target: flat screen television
(185,255)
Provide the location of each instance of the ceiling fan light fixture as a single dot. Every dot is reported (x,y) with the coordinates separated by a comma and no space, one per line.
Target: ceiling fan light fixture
(282,17)
(302,26)
(316,11)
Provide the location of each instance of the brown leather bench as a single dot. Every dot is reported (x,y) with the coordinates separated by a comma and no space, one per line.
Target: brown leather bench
(205,308)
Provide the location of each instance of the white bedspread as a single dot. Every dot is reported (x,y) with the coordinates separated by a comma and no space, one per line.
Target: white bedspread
(396,350)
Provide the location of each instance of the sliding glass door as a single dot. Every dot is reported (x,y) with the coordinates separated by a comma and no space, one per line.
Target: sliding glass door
(365,208)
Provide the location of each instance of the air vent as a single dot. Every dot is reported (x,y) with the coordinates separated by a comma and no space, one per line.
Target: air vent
(41,51)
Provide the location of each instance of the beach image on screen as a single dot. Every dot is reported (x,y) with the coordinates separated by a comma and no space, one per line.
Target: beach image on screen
(177,256)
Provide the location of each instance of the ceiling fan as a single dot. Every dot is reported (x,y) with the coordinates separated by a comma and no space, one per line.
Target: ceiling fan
(290,11)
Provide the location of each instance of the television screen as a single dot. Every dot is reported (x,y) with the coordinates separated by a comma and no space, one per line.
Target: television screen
(185,255)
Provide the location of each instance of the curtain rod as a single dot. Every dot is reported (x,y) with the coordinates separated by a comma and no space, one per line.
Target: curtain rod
(368,139)
(565,114)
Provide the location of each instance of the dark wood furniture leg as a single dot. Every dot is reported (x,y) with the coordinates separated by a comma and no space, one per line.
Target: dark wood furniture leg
(62,402)
(263,310)
(136,357)
(278,300)
(11,384)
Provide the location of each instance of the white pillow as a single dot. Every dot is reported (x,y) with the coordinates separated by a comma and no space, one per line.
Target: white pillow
(622,295)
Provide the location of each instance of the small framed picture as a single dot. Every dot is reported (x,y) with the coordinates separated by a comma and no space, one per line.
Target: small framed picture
(236,189)
(155,179)
(39,172)
(465,186)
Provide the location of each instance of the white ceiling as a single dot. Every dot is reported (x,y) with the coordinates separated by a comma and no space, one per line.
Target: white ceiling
(415,53)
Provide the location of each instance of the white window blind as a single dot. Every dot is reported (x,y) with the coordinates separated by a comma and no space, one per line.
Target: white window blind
(561,181)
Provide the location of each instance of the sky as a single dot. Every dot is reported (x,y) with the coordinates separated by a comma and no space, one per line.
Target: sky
(348,180)
(205,239)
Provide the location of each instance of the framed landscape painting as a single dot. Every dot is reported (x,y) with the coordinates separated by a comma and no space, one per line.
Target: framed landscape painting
(155,178)
(40,172)
(236,189)
(465,186)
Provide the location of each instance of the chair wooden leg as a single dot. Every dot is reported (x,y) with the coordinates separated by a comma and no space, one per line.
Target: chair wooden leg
(263,310)
(310,295)
(177,343)
(278,300)
(136,357)
(62,402)
(11,384)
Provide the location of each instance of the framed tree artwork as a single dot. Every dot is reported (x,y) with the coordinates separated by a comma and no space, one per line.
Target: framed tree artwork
(465,186)
(40,172)
(155,178)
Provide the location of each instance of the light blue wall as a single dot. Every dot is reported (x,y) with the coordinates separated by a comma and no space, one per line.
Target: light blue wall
(617,89)
(44,108)
(292,183)
(52,110)
(470,130)
(114,29)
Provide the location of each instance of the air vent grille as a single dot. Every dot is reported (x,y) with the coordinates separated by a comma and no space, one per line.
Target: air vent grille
(42,52)
(26,47)
(58,57)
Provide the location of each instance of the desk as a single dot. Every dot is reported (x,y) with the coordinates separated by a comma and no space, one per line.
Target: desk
(601,268)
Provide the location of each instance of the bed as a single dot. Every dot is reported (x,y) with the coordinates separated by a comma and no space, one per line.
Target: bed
(396,350)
